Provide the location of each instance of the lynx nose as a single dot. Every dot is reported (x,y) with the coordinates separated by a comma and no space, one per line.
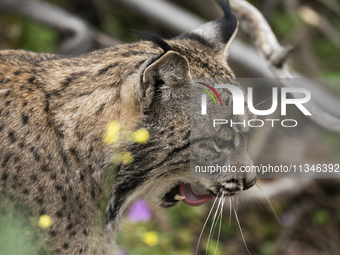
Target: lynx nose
(248,183)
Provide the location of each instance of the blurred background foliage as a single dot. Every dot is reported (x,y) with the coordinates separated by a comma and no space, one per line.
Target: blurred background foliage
(315,54)
(310,220)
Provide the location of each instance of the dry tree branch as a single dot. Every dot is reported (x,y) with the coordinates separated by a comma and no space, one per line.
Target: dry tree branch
(255,25)
(314,19)
(333,6)
(79,36)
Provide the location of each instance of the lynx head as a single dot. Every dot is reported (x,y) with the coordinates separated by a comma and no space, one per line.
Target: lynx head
(161,92)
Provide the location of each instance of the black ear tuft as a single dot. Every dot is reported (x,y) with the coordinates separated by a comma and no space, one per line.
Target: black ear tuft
(152,37)
(225,5)
(229,22)
(217,34)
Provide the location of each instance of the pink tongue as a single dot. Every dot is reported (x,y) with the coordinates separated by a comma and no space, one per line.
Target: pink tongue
(191,197)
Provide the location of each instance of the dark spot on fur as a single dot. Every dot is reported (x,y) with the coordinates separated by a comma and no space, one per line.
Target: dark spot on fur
(8,103)
(59,214)
(4,80)
(33,177)
(40,200)
(7,93)
(21,144)
(82,176)
(67,82)
(7,158)
(75,154)
(85,93)
(44,168)
(100,110)
(66,246)
(16,73)
(64,157)
(114,84)
(26,191)
(53,233)
(4,176)
(31,79)
(47,103)
(80,135)
(58,187)
(24,118)
(35,154)
(16,160)
(93,193)
(64,198)
(24,104)
(69,227)
(106,69)
(22,87)
(12,137)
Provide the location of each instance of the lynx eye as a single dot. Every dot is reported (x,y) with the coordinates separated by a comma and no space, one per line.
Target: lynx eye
(223,143)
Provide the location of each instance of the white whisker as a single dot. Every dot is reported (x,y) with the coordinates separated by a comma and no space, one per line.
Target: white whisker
(236,202)
(219,229)
(269,204)
(146,196)
(218,214)
(213,223)
(257,202)
(239,225)
(245,139)
(230,205)
(245,206)
(205,223)
(151,190)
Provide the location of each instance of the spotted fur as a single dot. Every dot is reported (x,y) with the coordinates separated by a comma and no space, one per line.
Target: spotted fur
(53,114)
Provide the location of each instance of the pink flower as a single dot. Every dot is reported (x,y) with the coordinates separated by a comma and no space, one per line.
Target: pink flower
(139,212)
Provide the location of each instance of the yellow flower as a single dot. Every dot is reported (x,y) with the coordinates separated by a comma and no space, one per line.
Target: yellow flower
(45,221)
(151,238)
(141,136)
(127,157)
(112,132)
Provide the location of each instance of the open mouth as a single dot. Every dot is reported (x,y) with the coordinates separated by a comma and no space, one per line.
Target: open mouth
(185,192)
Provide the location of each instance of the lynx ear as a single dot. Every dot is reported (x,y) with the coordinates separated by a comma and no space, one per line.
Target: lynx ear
(170,72)
(216,34)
